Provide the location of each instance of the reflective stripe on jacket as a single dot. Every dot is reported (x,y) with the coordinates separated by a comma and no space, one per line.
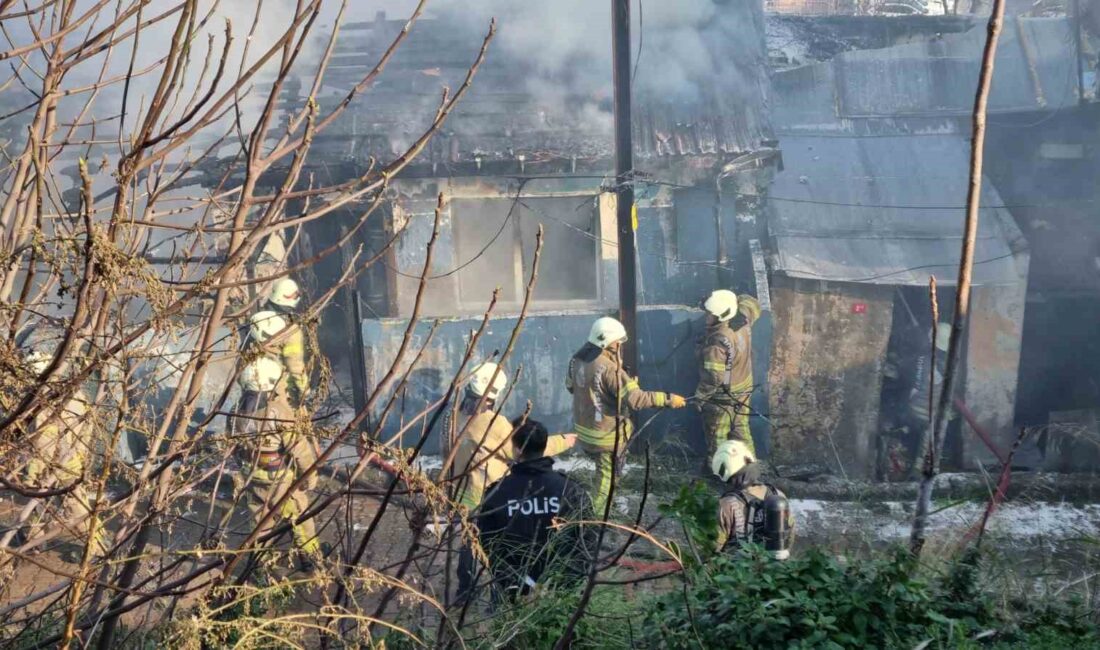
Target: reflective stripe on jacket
(725,356)
(605,396)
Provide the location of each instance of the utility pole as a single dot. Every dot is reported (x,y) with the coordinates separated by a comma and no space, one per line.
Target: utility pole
(1077,24)
(624,179)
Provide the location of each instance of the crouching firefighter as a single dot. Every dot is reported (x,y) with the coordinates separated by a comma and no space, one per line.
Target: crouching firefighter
(272,454)
(524,520)
(725,372)
(604,399)
(750,511)
(483,449)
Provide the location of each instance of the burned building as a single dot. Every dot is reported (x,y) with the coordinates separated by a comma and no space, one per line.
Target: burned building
(531,147)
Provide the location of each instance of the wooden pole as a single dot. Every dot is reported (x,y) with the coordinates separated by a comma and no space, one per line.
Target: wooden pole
(962,293)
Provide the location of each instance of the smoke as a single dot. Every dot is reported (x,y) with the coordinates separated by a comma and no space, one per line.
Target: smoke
(690,53)
(268,20)
(683,50)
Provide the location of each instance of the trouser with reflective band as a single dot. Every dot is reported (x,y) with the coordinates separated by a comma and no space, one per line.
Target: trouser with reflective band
(722,422)
(606,463)
(263,490)
(75,505)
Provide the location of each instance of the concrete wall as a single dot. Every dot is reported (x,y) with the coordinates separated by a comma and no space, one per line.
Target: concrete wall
(826,373)
(992,366)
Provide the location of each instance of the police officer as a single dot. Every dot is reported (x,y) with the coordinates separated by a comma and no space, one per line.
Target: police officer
(518,516)
(271,453)
(60,446)
(604,398)
(725,371)
(747,504)
(484,451)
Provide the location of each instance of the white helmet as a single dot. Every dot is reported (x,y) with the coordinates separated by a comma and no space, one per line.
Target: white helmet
(38,361)
(605,331)
(261,375)
(483,374)
(284,293)
(265,324)
(731,457)
(722,304)
(943,336)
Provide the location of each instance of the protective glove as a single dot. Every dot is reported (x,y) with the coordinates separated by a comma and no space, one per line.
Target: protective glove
(676,401)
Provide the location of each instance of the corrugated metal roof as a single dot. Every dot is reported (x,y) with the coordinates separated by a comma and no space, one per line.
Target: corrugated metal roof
(884,210)
(1035,70)
(926,87)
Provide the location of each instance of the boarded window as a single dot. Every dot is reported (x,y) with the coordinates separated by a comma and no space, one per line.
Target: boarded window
(495,241)
(569,268)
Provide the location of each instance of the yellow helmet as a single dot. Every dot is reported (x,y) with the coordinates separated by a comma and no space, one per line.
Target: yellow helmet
(284,293)
(731,457)
(482,375)
(261,375)
(722,304)
(265,324)
(605,331)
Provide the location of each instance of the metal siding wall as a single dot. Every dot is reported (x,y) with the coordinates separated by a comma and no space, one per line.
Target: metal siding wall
(544,347)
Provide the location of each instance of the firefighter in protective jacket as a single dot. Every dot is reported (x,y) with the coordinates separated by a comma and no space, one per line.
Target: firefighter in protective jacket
(725,370)
(271,453)
(604,399)
(483,448)
(283,302)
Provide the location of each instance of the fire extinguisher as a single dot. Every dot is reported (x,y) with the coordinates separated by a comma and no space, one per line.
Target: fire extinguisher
(776,531)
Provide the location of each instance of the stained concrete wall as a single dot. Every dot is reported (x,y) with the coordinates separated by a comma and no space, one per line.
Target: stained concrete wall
(828,347)
(993,365)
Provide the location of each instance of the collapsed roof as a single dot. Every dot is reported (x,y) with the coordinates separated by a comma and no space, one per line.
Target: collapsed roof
(523,107)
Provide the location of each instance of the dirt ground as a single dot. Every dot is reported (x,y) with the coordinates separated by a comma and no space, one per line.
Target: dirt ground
(1044,541)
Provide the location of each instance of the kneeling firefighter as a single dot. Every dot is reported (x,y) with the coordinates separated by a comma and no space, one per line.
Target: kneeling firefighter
(750,511)
(270,453)
(483,449)
(604,399)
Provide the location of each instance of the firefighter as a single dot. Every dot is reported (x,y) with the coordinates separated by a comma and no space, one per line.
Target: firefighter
(283,301)
(749,511)
(483,451)
(270,453)
(604,398)
(60,446)
(725,372)
(519,519)
(274,336)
